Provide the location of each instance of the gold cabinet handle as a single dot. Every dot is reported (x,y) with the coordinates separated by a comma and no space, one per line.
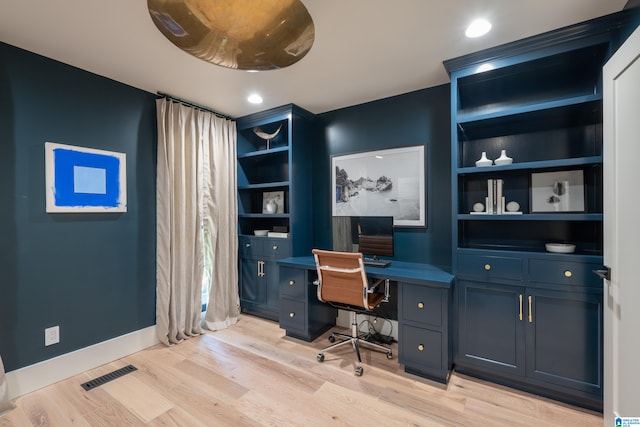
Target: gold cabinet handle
(520,315)
(292,314)
(292,282)
(530,310)
(568,273)
(487,267)
(420,347)
(420,305)
(247,245)
(259,268)
(274,247)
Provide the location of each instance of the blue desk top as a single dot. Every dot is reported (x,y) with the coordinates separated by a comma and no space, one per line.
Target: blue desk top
(408,272)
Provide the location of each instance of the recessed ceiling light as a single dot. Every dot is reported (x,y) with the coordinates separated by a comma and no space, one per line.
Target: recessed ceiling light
(477,28)
(255,99)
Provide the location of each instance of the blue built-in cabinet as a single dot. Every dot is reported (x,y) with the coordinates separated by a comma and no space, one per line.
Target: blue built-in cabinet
(273,151)
(525,316)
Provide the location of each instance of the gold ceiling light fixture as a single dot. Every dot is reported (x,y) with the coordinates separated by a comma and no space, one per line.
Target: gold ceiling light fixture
(241,34)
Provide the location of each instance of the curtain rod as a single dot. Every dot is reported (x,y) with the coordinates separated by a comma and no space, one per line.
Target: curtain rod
(194,105)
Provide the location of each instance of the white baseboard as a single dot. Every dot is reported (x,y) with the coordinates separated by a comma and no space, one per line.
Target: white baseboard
(33,377)
(383,326)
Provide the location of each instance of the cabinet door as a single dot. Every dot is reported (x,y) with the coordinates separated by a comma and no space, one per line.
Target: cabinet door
(252,289)
(564,339)
(490,329)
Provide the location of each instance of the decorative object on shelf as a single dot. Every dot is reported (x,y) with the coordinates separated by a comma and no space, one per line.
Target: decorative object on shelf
(561,191)
(260,232)
(483,161)
(239,34)
(381,183)
(478,207)
(495,199)
(273,202)
(513,206)
(267,136)
(562,248)
(503,159)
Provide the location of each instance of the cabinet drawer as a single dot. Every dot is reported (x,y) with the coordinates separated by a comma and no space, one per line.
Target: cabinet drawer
(276,248)
(421,348)
(422,304)
(292,315)
(563,272)
(248,247)
(490,267)
(293,282)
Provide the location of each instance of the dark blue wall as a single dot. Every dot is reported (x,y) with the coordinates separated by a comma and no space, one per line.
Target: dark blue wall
(92,274)
(421,117)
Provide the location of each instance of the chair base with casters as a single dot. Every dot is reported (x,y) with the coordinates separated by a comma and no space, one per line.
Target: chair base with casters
(356,339)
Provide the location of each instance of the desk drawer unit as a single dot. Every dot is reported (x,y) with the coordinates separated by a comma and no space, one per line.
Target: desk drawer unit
(424,336)
(293,315)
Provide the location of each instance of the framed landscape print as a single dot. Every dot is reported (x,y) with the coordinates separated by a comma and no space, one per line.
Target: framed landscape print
(381,183)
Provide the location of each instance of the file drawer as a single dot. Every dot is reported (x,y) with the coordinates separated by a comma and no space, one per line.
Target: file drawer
(292,315)
(422,304)
(421,347)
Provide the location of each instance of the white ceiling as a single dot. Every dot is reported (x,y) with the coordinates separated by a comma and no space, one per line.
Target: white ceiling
(364,49)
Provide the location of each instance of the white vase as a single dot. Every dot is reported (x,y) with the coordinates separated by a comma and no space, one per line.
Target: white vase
(483,160)
(503,159)
(272,207)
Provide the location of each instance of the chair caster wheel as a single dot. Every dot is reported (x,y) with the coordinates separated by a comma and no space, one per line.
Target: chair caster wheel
(320,357)
(332,339)
(390,355)
(358,371)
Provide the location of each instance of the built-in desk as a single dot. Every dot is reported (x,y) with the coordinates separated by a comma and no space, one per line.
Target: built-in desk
(424,315)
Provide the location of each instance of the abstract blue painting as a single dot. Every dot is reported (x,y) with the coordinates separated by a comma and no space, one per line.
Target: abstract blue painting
(82,179)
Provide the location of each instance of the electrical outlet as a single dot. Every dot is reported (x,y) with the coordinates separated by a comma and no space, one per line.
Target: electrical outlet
(52,335)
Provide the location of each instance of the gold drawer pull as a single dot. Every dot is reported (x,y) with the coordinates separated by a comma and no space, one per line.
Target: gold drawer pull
(247,245)
(520,314)
(292,314)
(420,305)
(275,247)
(292,282)
(420,347)
(568,273)
(487,267)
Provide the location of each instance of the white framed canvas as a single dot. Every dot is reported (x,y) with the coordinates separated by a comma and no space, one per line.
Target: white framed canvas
(381,183)
(80,179)
(561,191)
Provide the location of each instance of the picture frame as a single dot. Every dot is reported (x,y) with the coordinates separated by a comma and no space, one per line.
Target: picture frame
(387,182)
(276,197)
(84,180)
(560,191)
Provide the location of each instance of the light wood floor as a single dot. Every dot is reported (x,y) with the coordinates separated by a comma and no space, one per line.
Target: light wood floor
(252,375)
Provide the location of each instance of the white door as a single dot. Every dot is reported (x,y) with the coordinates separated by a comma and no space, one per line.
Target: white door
(621,86)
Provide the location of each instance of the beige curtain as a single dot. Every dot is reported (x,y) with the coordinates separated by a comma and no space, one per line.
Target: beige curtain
(5,404)
(188,209)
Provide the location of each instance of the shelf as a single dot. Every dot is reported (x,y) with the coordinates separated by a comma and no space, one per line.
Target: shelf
(509,110)
(533,217)
(263,216)
(263,152)
(544,164)
(265,185)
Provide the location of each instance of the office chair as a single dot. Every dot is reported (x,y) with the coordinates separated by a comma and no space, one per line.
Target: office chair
(343,283)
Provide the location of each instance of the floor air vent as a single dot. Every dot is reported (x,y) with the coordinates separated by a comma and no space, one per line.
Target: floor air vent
(90,385)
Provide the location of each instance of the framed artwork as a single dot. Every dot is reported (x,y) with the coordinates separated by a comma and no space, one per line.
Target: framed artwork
(273,202)
(381,183)
(85,180)
(561,191)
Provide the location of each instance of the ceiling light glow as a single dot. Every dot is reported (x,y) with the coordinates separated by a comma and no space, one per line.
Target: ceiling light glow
(477,28)
(255,99)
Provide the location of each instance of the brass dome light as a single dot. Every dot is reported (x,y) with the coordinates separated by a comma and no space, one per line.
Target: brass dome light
(241,34)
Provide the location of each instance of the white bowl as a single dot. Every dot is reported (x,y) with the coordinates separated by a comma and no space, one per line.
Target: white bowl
(260,232)
(561,248)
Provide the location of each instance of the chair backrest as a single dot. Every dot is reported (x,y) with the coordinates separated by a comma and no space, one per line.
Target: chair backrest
(342,278)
